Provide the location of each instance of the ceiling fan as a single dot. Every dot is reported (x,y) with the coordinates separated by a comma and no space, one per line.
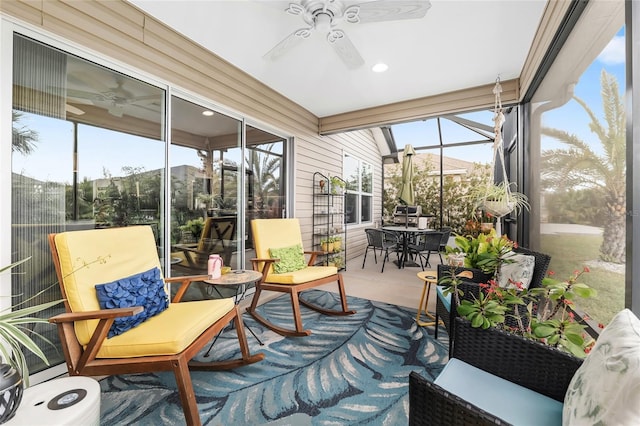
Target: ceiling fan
(114,99)
(324,16)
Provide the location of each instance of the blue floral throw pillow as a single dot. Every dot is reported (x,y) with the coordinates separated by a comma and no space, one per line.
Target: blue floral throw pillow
(145,289)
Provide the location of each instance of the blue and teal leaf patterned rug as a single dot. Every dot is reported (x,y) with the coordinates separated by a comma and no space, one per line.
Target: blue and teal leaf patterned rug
(351,370)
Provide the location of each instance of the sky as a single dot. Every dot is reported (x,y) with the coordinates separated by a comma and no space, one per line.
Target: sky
(106,152)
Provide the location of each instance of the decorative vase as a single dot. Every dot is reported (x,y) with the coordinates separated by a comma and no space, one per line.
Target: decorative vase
(11,389)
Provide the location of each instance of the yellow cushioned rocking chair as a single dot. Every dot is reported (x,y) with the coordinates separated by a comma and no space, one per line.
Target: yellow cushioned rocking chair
(271,236)
(86,262)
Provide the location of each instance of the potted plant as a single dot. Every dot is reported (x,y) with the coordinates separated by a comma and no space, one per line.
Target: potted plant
(14,330)
(484,251)
(14,338)
(326,244)
(337,243)
(337,185)
(498,199)
(542,314)
(194,227)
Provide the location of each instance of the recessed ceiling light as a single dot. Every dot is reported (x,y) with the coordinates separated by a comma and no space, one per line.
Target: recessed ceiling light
(380,67)
(207,113)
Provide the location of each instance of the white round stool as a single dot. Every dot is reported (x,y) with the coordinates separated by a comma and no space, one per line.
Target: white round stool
(65,401)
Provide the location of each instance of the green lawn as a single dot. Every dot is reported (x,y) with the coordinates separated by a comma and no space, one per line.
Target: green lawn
(569,252)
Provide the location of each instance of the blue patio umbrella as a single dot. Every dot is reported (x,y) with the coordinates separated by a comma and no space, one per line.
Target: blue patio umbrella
(407,192)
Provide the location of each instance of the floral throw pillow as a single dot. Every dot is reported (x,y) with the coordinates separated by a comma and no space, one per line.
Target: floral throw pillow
(291,259)
(519,269)
(606,388)
(145,289)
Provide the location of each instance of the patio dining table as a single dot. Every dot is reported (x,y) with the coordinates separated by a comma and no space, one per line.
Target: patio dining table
(405,232)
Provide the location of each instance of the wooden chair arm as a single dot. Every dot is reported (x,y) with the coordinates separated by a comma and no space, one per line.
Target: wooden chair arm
(184,286)
(193,249)
(186,278)
(101,314)
(313,255)
(266,264)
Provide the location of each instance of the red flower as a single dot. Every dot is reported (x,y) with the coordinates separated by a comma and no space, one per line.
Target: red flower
(586,269)
(600,325)
(571,315)
(551,273)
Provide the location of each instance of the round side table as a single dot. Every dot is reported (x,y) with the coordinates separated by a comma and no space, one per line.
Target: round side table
(429,277)
(239,279)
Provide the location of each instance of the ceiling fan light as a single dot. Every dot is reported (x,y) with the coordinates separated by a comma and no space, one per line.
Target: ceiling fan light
(380,67)
(323,22)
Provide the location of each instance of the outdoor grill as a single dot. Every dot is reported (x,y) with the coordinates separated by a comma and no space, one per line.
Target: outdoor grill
(403,215)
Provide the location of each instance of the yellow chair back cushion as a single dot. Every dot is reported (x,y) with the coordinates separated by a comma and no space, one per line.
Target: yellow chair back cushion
(98,256)
(279,233)
(274,233)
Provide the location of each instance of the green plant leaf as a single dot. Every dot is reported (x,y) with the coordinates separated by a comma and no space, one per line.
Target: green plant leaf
(543,331)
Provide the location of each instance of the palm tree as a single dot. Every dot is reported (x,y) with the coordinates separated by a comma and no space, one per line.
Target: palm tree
(579,166)
(266,173)
(23,139)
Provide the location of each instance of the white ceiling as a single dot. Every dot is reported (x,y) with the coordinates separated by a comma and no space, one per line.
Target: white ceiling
(458,44)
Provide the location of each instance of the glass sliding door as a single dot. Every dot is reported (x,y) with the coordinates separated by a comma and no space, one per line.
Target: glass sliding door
(265,189)
(204,191)
(87,152)
(217,186)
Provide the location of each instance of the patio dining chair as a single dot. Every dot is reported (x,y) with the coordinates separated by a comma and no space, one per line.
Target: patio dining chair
(118,319)
(425,244)
(383,240)
(280,258)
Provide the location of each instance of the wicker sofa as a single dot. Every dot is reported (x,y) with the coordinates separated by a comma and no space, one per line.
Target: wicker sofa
(493,378)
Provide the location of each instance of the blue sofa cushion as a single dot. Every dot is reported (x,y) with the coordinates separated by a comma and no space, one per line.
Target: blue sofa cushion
(144,289)
(510,402)
(446,300)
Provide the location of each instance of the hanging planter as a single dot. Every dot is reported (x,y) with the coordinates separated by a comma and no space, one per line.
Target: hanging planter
(498,198)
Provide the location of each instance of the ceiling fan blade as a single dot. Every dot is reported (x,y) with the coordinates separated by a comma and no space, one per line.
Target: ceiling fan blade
(391,10)
(345,49)
(82,95)
(73,110)
(116,110)
(287,44)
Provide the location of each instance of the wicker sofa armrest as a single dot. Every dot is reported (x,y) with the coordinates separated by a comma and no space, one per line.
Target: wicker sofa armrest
(531,364)
(430,404)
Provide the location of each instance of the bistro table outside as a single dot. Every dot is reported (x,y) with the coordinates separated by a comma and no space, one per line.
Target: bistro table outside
(405,231)
(240,279)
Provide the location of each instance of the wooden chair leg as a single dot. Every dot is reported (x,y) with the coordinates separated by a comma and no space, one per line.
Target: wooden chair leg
(297,316)
(187,395)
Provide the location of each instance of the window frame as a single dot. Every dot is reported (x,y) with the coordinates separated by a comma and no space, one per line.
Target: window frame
(359,193)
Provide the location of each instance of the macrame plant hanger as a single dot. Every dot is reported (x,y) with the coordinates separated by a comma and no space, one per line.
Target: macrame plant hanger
(498,208)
